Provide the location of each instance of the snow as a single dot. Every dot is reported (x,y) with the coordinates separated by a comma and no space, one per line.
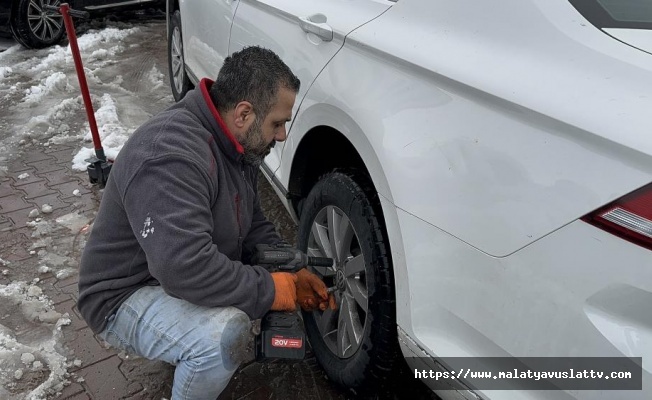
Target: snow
(113,133)
(18,357)
(5,72)
(156,78)
(41,105)
(57,80)
(75,222)
(35,78)
(44,355)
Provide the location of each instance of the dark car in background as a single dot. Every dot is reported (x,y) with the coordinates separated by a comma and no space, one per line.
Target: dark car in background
(33,26)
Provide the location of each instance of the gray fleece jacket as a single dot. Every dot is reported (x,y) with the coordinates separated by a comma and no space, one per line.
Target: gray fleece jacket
(180,210)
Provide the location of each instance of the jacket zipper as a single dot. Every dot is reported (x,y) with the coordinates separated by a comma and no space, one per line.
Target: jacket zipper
(237,215)
(238,201)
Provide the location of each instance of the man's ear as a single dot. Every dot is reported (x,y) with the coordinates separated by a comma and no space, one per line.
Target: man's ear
(243,115)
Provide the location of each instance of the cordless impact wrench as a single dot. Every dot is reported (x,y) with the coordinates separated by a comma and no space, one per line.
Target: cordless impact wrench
(281,333)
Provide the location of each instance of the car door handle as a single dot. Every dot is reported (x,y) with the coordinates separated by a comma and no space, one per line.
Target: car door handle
(316,24)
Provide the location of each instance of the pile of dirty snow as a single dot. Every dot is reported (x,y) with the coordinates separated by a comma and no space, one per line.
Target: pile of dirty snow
(25,356)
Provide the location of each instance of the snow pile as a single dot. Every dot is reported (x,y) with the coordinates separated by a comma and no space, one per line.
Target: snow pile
(43,85)
(112,133)
(11,51)
(156,78)
(94,38)
(106,55)
(91,40)
(51,124)
(42,77)
(65,109)
(53,255)
(35,93)
(32,358)
(75,222)
(43,356)
(56,118)
(5,72)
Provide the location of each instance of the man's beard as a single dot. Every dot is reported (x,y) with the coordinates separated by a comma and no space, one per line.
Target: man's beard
(254,145)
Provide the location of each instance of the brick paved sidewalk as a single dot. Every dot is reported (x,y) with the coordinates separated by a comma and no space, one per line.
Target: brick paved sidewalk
(103,373)
(44,176)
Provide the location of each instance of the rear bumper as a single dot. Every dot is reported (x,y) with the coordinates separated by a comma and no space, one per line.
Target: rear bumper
(578,291)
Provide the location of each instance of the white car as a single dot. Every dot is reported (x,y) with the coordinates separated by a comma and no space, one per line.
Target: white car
(480,171)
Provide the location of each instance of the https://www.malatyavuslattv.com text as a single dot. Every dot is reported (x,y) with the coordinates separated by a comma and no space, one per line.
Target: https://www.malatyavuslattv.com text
(516,374)
(533,373)
(528,379)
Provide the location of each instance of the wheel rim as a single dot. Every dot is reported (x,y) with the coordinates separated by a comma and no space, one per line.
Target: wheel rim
(45,25)
(176,56)
(332,235)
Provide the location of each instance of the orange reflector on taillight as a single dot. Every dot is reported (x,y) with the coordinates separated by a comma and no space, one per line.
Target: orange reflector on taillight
(629,217)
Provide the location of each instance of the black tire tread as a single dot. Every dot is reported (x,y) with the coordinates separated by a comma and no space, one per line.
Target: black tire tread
(175,21)
(23,34)
(378,361)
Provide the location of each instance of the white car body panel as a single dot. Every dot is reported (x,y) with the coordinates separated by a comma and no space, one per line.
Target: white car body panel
(464,303)
(525,165)
(639,38)
(276,25)
(206,39)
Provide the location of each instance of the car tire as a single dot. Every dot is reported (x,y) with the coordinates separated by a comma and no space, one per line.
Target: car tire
(360,351)
(179,81)
(34,29)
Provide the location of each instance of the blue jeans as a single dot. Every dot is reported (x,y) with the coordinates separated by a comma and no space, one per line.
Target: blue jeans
(205,344)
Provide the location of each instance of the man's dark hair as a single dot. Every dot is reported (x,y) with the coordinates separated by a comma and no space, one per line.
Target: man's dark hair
(253,74)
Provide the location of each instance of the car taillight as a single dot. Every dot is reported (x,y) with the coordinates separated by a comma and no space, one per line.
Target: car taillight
(629,217)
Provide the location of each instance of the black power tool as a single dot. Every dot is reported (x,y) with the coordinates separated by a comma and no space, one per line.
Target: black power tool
(281,333)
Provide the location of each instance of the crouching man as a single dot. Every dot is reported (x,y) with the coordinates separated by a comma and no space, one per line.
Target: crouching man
(165,273)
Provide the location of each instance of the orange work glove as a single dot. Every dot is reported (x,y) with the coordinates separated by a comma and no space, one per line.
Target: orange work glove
(285,295)
(312,293)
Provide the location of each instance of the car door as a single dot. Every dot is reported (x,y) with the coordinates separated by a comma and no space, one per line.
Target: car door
(205,28)
(306,34)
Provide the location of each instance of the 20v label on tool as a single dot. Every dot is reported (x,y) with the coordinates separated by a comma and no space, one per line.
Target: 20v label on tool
(287,342)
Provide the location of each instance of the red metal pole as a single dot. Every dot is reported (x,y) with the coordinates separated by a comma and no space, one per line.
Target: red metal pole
(74,48)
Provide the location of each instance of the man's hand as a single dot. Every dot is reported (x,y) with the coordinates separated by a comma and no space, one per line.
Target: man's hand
(285,296)
(312,293)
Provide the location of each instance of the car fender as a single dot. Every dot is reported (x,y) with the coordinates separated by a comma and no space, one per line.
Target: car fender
(313,114)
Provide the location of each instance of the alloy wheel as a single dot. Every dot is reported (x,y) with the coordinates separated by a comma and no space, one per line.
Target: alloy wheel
(44,24)
(176,53)
(332,235)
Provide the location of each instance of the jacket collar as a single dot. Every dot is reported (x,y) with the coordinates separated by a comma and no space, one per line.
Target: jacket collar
(231,143)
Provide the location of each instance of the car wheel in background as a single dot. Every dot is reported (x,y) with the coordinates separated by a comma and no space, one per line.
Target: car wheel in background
(178,78)
(357,343)
(35,27)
